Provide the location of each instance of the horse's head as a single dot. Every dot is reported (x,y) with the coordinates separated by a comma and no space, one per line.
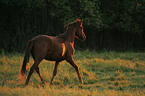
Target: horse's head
(80,33)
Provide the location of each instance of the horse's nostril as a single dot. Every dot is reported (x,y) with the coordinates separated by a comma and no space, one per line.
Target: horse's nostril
(84,37)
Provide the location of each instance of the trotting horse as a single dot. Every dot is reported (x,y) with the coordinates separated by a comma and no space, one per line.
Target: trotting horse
(56,49)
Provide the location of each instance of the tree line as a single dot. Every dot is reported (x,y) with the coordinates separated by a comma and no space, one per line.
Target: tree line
(108,24)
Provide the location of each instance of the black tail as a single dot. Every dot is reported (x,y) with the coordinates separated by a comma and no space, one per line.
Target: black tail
(25,61)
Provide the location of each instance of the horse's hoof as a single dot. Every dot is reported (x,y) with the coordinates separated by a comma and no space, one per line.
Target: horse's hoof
(81,82)
(26,83)
(43,82)
(51,83)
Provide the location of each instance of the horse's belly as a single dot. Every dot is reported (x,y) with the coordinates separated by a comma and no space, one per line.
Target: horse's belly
(54,57)
(56,52)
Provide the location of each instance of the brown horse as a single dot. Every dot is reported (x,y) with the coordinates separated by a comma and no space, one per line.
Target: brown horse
(57,49)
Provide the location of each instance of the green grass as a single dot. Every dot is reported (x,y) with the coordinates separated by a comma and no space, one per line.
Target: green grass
(103,73)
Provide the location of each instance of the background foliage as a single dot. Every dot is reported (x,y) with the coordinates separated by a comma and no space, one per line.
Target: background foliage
(110,25)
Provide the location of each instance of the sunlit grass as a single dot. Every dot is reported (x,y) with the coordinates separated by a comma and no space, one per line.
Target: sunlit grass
(103,73)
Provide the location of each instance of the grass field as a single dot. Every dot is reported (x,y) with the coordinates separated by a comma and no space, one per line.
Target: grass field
(103,73)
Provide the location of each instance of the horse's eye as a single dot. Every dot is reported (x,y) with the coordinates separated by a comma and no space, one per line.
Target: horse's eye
(82,27)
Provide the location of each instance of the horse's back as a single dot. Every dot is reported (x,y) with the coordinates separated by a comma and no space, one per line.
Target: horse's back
(42,37)
(42,40)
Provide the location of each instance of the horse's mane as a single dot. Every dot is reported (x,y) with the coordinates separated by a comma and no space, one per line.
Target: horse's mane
(78,20)
(66,26)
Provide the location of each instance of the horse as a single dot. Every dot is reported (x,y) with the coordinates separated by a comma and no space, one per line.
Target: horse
(53,48)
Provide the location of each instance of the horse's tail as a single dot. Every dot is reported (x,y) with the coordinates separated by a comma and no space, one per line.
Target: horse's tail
(25,62)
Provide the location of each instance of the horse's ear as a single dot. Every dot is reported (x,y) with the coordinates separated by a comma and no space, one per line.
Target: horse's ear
(78,20)
(82,20)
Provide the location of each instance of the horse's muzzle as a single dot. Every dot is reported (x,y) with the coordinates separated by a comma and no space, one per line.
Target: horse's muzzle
(84,38)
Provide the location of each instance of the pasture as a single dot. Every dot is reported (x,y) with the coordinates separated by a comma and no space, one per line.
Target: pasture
(103,73)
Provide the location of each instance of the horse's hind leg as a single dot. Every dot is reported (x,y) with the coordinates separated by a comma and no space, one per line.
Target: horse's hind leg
(35,65)
(38,71)
(54,72)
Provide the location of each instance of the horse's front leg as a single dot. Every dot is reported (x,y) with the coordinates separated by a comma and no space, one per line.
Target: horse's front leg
(71,61)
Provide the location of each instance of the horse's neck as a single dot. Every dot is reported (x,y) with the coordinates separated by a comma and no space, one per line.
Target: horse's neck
(69,34)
